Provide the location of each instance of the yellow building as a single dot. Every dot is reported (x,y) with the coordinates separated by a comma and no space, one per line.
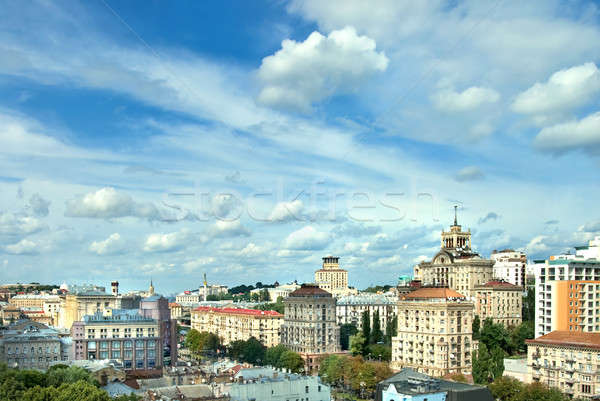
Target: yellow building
(232,324)
(434,332)
(332,278)
(500,301)
(33,300)
(568,361)
(76,306)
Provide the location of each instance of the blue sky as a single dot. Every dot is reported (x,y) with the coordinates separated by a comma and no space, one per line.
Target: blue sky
(249,139)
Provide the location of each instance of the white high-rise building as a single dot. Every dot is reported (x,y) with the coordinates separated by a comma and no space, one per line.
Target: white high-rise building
(509,266)
(583,266)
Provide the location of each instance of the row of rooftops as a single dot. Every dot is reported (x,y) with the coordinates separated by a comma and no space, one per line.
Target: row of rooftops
(239,311)
(572,339)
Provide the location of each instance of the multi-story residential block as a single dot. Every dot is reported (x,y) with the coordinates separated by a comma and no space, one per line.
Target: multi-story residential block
(350,308)
(34,300)
(310,326)
(121,334)
(578,310)
(30,345)
(510,266)
(332,278)
(232,324)
(157,308)
(434,332)
(176,310)
(456,265)
(566,360)
(501,301)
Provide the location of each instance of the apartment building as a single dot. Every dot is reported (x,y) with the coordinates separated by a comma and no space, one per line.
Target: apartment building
(581,270)
(31,345)
(567,360)
(456,265)
(350,308)
(232,324)
(332,278)
(434,332)
(310,326)
(33,300)
(77,305)
(510,266)
(501,301)
(120,334)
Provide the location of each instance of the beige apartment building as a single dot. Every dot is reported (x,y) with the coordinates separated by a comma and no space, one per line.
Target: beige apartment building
(569,361)
(456,265)
(501,301)
(332,278)
(75,306)
(434,332)
(33,300)
(232,324)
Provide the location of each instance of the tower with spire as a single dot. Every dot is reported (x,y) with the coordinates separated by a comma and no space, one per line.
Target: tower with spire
(456,238)
(151,289)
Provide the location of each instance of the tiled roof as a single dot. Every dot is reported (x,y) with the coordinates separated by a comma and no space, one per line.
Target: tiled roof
(500,284)
(310,290)
(239,311)
(426,292)
(570,338)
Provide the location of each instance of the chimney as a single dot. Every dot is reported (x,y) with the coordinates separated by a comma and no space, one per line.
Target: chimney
(115,288)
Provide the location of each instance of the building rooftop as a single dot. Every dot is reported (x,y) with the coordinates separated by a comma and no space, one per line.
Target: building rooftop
(500,284)
(310,290)
(239,311)
(360,299)
(433,292)
(117,315)
(569,338)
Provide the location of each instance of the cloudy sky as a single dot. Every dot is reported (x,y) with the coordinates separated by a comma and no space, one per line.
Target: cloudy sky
(247,140)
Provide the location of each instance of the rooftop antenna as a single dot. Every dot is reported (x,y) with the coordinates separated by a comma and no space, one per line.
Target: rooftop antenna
(455,220)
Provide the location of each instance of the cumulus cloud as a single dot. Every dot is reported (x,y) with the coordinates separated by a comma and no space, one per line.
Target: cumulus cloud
(488,217)
(222,228)
(581,134)
(301,73)
(287,211)
(12,225)
(470,173)
(226,206)
(306,238)
(23,247)
(252,250)
(356,247)
(107,203)
(590,227)
(566,89)
(166,242)
(469,99)
(114,244)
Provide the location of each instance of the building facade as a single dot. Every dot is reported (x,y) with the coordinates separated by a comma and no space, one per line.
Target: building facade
(349,309)
(310,326)
(456,265)
(568,361)
(332,278)
(434,332)
(578,308)
(77,305)
(510,266)
(123,335)
(284,387)
(501,301)
(232,324)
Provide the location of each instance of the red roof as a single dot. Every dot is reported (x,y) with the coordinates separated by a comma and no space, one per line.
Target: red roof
(569,338)
(435,292)
(500,283)
(239,311)
(173,305)
(310,290)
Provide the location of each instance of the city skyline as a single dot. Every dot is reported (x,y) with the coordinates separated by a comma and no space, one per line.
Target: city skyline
(249,142)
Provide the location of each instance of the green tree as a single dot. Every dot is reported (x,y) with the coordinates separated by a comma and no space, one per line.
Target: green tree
(273,355)
(38,393)
(61,374)
(391,330)
(292,360)
(347,330)
(127,397)
(481,364)
(331,369)
(506,388)
(252,351)
(192,340)
(31,378)
(380,352)
(264,295)
(81,391)
(11,389)
(539,392)
(476,327)
(521,333)
(529,305)
(495,335)
(366,325)
(358,344)
(376,333)
(496,363)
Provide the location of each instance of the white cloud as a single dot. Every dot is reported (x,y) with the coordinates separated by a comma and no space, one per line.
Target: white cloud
(301,73)
(195,264)
(420,258)
(287,211)
(23,247)
(38,205)
(566,89)
(469,99)
(581,134)
(114,244)
(225,206)
(470,173)
(12,225)
(222,228)
(306,238)
(355,247)
(252,250)
(107,203)
(537,245)
(166,242)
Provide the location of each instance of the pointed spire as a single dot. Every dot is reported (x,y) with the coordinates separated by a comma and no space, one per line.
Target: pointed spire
(455,219)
